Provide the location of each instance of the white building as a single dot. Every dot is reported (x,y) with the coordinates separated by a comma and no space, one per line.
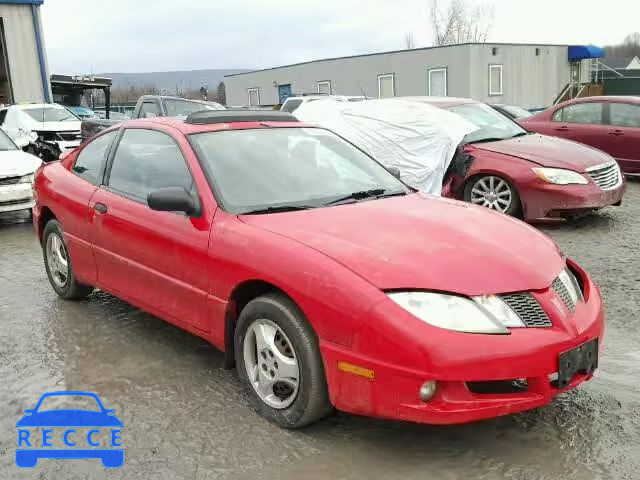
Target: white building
(529,75)
(24,75)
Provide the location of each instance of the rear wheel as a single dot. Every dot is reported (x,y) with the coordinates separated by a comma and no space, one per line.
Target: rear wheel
(493,192)
(278,360)
(58,264)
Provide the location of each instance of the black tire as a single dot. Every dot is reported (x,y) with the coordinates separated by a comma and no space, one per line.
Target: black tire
(312,400)
(72,289)
(514,209)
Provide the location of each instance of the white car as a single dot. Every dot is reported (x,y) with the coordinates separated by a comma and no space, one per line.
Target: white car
(292,103)
(49,127)
(17,170)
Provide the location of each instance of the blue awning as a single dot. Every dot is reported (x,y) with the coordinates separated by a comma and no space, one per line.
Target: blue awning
(580,52)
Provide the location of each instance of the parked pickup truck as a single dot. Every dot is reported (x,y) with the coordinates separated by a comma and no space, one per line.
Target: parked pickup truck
(149,106)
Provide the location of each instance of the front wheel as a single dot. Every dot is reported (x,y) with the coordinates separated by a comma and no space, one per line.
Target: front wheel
(278,360)
(58,264)
(493,192)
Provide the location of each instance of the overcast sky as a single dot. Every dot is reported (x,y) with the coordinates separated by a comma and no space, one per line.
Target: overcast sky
(161,35)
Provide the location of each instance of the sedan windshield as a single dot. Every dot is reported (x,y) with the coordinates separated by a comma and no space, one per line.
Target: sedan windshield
(493,125)
(51,114)
(517,112)
(5,142)
(278,169)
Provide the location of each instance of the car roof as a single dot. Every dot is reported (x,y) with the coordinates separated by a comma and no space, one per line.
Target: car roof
(604,98)
(188,128)
(442,102)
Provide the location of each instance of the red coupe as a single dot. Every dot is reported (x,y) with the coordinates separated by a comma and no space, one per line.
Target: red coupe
(611,124)
(325,279)
(531,176)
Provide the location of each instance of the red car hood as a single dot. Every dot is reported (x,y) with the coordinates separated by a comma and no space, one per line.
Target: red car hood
(425,242)
(548,151)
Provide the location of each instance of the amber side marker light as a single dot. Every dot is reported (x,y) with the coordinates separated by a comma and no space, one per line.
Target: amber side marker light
(356,370)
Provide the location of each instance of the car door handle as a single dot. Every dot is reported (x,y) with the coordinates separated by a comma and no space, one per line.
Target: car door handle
(100,208)
(616,133)
(563,128)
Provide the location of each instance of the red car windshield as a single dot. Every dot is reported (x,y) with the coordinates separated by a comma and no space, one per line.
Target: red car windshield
(492,125)
(276,167)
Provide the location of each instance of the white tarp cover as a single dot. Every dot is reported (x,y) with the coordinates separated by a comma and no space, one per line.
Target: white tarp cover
(419,139)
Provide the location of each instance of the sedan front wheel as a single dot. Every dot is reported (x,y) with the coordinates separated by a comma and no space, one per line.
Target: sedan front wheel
(493,192)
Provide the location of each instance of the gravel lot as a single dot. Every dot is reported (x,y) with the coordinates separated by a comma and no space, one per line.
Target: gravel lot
(185,417)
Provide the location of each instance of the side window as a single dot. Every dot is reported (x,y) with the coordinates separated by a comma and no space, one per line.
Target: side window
(145,161)
(92,156)
(3,115)
(590,113)
(624,114)
(150,110)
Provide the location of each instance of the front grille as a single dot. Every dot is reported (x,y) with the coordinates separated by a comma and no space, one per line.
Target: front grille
(70,136)
(9,180)
(562,291)
(606,176)
(527,308)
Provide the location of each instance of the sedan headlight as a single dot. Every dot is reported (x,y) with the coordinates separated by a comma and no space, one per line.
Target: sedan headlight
(29,178)
(560,176)
(486,314)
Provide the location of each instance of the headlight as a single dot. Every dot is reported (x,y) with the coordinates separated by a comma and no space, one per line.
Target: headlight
(560,176)
(486,314)
(27,178)
(570,282)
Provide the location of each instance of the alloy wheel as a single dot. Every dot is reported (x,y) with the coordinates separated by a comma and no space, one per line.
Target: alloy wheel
(271,363)
(492,192)
(57,260)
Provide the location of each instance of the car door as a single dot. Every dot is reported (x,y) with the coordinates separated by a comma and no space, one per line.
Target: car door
(623,135)
(156,260)
(72,209)
(581,122)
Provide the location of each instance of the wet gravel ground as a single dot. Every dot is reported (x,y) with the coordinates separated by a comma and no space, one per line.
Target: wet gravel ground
(185,416)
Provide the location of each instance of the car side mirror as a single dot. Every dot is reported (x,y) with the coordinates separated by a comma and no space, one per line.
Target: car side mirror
(28,411)
(172,199)
(110,411)
(395,171)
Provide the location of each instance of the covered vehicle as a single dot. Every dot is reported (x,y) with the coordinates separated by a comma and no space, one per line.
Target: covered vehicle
(417,139)
(325,279)
(513,171)
(46,130)
(17,170)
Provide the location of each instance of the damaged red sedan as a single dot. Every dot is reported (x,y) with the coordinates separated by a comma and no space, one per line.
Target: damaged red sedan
(326,280)
(528,175)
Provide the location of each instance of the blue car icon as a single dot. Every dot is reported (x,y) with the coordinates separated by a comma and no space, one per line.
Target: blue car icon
(69,418)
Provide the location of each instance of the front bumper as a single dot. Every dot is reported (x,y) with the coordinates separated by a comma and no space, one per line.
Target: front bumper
(16,197)
(541,200)
(458,363)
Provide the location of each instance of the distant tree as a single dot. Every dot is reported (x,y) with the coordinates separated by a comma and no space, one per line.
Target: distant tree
(221,94)
(630,47)
(456,21)
(409,42)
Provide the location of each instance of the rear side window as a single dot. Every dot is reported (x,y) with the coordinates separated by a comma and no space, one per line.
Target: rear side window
(590,113)
(148,160)
(90,160)
(150,110)
(291,105)
(624,114)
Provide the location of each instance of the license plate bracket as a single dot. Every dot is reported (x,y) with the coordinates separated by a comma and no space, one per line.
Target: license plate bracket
(581,359)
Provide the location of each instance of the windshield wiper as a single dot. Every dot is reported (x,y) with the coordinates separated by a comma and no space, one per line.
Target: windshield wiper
(277,209)
(488,139)
(521,134)
(374,192)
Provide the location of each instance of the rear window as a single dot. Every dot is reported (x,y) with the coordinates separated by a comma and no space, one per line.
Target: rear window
(180,108)
(291,105)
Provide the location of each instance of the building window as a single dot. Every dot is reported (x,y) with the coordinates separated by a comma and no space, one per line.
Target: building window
(254,96)
(386,85)
(437,82)
(495,79)
(324,87)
